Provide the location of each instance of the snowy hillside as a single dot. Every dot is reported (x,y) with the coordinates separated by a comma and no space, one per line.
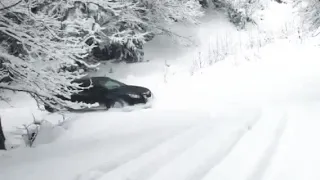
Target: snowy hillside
(250,115)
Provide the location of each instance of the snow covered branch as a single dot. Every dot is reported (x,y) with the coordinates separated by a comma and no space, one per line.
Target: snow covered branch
(309,11)
(126,25)
(9,6)
(45,52)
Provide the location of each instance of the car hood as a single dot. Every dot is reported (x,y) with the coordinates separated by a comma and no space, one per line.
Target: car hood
(132,89)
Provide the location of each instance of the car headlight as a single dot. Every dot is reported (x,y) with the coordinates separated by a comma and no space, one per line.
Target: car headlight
(147,94)
(134,96)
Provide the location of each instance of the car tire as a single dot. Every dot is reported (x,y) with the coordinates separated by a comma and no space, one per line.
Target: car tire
(118,104)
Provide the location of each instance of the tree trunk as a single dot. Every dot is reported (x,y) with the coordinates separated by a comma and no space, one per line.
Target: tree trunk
(2,138)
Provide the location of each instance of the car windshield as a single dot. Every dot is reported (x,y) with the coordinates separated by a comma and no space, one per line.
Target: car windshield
(112,84)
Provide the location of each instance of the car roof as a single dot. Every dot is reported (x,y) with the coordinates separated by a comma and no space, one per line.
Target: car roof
(96,80)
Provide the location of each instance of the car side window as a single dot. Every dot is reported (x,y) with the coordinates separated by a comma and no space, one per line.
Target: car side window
(112,84)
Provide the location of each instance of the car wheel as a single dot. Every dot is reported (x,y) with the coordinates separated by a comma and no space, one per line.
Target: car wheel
(118,104)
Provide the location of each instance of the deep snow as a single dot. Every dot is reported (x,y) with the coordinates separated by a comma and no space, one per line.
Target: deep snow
(252,116)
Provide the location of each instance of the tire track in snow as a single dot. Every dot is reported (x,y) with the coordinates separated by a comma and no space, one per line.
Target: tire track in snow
(99,172)
(198,160)
(213,161)
(147,164)
(270,151)
(252,155)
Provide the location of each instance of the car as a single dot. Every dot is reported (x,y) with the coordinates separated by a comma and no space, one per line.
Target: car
(109,93)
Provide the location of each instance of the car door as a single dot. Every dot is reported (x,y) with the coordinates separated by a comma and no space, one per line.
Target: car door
(83,96)
(98,94)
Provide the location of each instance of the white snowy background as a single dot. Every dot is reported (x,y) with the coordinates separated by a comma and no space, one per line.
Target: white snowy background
(252,116)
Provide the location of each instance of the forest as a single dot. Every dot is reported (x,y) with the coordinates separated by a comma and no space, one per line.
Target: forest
(46,44)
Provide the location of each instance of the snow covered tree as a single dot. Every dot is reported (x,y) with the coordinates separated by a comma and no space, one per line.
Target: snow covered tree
(35,53)
(240,12)
(139,21)
(169,11)
(309,11)
(126,25)
(123,31)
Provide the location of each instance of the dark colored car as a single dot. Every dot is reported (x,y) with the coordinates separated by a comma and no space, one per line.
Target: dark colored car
(110,93)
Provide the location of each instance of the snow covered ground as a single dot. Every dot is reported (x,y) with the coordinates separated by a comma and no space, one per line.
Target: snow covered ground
(252,116)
